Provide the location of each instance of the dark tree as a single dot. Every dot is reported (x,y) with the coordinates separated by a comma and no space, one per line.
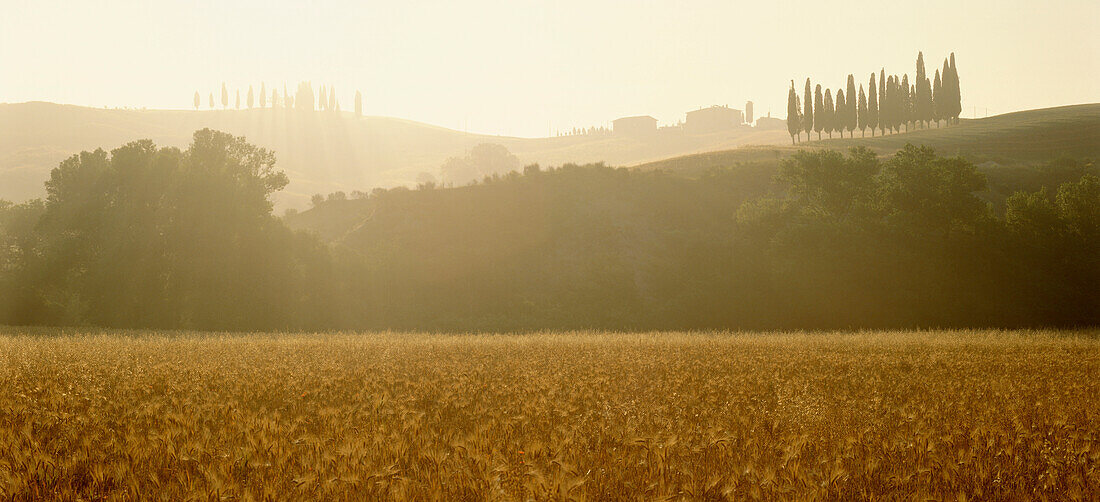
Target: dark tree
(937,99)
(861,112)
(955,92)
(808,101)
(819,111)
(829,120)
(906,102)
(872,105)
(793,125)
(883,104)
(840,113)
(947,105)
(923,99)
(851,112)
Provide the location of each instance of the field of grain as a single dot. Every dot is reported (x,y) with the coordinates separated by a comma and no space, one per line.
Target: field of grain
(581,416)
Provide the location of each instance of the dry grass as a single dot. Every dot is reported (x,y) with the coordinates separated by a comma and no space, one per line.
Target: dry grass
(905,416)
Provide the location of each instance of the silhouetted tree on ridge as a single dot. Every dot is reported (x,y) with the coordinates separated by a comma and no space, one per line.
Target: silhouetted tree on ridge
(198,100)
(251,97)
(818,111)
(872,104)
(793,125)
(829,121)
(840,113)
(263,96)
(807,117)
(861,113)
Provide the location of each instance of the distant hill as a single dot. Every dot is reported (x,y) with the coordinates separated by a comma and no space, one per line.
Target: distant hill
(321,152)
(1011,139)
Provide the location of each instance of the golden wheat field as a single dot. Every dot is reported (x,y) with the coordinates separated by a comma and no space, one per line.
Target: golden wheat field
(582,416)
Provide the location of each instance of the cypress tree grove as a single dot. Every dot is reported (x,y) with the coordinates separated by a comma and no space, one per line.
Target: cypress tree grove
(793,125)
(819,111)
(807,117)
(263,96)
(840,115)
(861,113)
(198,100)
(850,112)
(828,113)
(872,105)
(937,99)
(251,97)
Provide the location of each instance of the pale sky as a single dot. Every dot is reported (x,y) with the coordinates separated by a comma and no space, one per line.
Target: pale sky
(524,68)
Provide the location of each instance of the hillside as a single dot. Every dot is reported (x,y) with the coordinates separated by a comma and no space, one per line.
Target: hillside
(321,152)
(1011,139)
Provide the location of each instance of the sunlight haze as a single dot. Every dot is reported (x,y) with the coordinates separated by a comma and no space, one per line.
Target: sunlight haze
(533,68)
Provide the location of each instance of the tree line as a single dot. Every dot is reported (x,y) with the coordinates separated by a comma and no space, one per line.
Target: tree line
(154,237)
(303,99)
(889,105)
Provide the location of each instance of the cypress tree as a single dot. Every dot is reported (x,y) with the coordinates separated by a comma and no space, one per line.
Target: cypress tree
(861,112)
(211,101)
(359,102)
(332,99)
(905,101)
(237,103)
(819,111)
(828,112)
(946,106)
(263,96)
(883,104)
(251,97)
(956,93)
(198,100)
(793,125)
(937,99)
(323,99)
(840,113)
(850,114)
(225,96)
(923,104)
(872,105)
(807,118)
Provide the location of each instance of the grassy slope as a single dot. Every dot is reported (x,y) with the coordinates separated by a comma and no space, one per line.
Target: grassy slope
(321,152)
(1010,139)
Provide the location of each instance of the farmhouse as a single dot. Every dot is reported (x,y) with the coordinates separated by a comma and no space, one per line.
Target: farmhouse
(712,119)
(642,125)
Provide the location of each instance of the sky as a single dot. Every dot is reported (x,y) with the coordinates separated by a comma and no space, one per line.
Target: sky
(530,68)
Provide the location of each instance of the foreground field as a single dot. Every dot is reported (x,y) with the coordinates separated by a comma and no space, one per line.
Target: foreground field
(906,416)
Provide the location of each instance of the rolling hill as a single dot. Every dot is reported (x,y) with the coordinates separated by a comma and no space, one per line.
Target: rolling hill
(321,152)
(1011,139)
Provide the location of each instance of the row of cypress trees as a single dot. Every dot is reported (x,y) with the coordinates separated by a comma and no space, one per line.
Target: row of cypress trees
(890,105)
(303,99)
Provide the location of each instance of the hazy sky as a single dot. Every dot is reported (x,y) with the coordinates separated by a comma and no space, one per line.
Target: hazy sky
(524,68)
